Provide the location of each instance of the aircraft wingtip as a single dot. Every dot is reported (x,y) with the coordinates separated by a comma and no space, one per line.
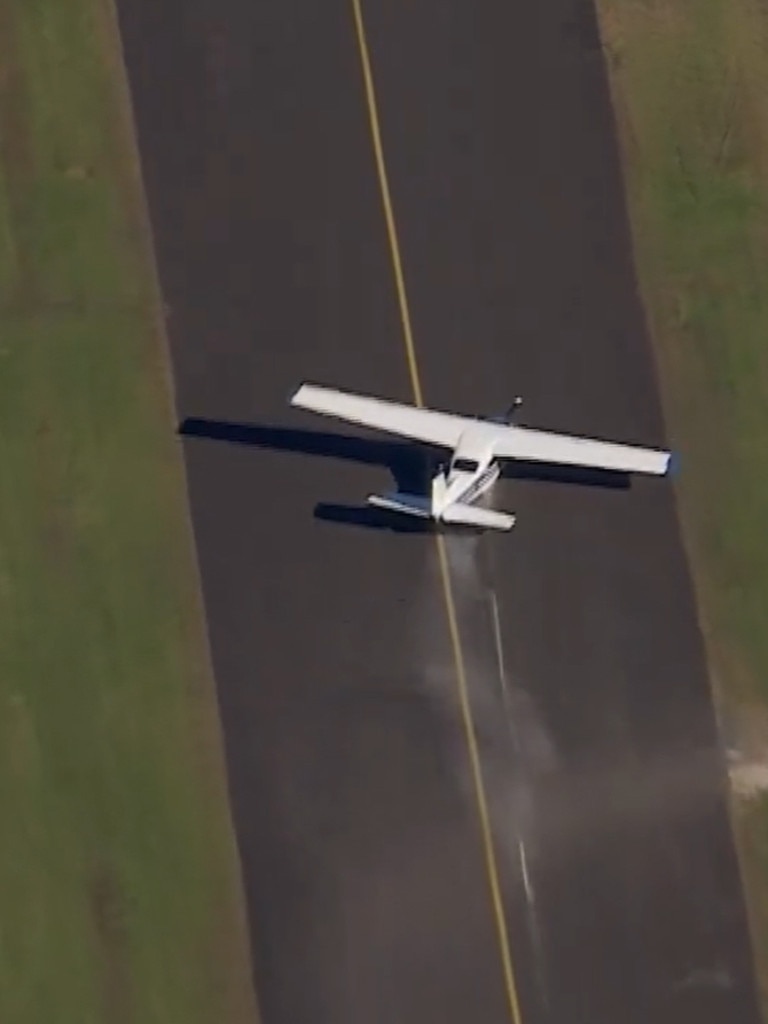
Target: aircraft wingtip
(673,465)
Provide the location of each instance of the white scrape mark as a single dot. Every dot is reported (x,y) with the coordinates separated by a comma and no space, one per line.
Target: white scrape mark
(497,634)
(524,868)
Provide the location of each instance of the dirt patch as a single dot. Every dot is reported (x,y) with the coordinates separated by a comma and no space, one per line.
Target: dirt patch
(746,735)
(749,779)
(16,155)
(108,910)
(14,141)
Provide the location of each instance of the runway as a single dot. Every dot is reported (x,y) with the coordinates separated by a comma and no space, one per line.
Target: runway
(369,891)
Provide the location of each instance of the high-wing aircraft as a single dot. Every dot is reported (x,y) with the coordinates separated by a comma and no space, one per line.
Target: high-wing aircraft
(477,446)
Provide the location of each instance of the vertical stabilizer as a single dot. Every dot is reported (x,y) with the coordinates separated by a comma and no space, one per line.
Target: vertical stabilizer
(439,488)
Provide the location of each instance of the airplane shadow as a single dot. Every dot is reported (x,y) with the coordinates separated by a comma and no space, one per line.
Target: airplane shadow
(412,466)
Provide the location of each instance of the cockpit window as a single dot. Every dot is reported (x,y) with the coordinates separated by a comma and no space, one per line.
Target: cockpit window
(465,465)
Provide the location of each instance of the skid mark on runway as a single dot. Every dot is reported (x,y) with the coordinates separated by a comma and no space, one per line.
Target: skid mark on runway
(547,813)
(516,749)
(511,742)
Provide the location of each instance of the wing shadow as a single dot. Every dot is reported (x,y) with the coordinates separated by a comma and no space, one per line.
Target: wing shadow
(580,476)
(369,517)
(409,464)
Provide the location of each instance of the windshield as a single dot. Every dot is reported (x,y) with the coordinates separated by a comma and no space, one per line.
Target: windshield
(465,465)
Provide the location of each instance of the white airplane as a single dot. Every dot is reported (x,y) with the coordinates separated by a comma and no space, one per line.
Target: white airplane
(476,445)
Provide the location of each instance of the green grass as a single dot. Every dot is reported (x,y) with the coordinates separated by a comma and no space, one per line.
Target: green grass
(688,81)
(119,893)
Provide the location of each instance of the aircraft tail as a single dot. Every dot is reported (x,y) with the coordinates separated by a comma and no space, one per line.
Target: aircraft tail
(457,514)
(439,487)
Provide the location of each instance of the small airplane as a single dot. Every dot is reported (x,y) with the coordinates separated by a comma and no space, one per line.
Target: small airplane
(477,446)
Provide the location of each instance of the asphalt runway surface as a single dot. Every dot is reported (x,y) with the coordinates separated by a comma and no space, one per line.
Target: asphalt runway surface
(355,808)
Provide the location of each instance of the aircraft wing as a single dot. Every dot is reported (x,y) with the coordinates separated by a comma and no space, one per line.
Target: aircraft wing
(440,429)
(561,449)
(444,430)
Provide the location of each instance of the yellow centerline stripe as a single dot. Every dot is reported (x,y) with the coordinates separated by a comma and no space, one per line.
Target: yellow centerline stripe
(397,263)
(474,755)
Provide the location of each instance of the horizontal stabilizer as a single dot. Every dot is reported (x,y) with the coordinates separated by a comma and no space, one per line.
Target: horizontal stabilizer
(472,515)
(410,504)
